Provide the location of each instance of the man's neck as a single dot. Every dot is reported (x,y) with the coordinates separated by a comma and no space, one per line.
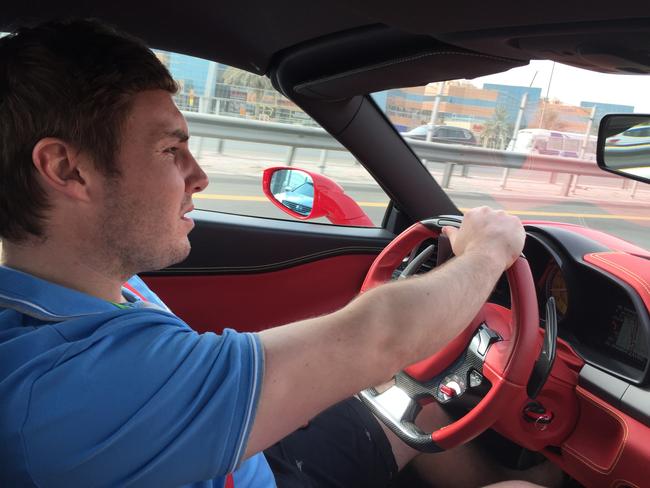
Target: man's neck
(72,268)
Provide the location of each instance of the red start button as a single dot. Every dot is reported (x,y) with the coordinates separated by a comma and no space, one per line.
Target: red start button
(447,390)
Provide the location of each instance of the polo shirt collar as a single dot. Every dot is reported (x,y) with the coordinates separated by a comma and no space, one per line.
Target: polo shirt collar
(45,300)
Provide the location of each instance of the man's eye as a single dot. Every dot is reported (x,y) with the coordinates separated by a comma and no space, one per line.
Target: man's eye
(171,150)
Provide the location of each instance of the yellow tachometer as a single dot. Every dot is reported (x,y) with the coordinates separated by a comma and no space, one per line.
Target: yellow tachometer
(556,287)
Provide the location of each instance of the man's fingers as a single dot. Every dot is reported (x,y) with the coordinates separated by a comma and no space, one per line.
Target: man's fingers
(451,233)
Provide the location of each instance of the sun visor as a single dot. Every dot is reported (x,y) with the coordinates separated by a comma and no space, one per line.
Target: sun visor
(411,70)
(374,58)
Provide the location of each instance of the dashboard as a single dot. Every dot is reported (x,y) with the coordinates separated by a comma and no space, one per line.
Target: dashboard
(601,317)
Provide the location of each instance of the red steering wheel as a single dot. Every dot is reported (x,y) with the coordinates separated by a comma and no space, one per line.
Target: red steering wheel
(482,369)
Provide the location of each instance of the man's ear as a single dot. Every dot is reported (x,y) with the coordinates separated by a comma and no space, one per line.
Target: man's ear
(62,168)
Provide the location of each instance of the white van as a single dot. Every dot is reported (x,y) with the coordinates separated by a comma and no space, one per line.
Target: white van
(553,143)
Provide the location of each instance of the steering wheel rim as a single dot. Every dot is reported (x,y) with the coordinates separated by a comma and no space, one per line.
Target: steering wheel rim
(507,364)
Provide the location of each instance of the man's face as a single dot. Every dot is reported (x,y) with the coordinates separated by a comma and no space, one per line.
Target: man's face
(142,224)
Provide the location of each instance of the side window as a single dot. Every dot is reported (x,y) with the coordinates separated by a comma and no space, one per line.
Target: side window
(240,125)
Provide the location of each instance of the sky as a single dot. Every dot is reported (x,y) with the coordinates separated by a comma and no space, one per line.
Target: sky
(573,85)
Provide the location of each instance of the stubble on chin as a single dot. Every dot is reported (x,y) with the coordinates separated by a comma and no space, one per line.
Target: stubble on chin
(142,253)
(133,239)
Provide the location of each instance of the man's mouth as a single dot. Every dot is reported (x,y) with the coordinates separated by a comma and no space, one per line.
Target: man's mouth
(184,214)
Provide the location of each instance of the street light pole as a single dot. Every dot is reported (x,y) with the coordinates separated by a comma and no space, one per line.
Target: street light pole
(515,133)
(548,90)
(520,116)
(573,183)
(434,116)
(585,139)
(434,113)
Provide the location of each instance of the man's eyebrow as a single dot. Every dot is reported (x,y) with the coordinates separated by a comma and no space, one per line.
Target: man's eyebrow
(180,134)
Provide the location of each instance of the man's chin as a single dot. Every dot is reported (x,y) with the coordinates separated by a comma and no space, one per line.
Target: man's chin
(180,254)
(173,256)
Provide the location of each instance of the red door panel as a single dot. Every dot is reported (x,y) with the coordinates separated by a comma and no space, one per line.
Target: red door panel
(256,301)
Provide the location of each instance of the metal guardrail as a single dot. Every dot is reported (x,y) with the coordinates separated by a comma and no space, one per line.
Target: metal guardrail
(295,136)
(238,129)
(480,156)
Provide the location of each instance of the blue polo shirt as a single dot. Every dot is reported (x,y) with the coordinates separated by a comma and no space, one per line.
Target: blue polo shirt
(96,394)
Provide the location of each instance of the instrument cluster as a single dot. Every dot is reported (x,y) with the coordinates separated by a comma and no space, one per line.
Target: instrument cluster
(602,318)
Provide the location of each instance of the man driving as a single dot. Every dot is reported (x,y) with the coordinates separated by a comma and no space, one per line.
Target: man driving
(100,383)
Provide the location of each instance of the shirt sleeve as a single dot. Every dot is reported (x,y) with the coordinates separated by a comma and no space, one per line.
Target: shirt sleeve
(144,401)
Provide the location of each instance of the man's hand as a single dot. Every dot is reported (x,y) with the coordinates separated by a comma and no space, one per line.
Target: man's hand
(492,233)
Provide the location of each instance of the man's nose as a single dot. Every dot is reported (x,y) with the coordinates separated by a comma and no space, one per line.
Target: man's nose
(197,180)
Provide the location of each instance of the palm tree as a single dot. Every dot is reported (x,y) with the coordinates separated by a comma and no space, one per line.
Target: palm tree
(256,84)
(239,77)
(552,120)
(497,130)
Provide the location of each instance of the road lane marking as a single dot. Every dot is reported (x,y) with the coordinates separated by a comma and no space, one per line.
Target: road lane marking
(248,198)
(525,213)
(541,213)
(234,198)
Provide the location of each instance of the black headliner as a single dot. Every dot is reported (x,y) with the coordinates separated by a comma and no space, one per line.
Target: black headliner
(249,34)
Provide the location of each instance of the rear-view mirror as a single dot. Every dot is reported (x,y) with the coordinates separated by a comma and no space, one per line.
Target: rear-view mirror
(624,145)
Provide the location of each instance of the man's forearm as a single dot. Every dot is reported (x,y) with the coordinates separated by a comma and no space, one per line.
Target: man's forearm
(415,318)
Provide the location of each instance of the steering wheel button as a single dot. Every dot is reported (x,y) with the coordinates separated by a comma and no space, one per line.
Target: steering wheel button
(485,342)
(475,379)
(447,390)
(486,337)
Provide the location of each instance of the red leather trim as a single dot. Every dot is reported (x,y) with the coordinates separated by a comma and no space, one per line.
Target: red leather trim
(433,365)
(573,363)
(634,270)
(607,449)
(558,396)
(478,419)
(511,359)
(526,314)
(599,448)
(252,302)
(382,269)
(508,363)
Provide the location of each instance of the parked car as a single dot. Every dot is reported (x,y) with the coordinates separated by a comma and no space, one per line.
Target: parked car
(442,133)
(591,415)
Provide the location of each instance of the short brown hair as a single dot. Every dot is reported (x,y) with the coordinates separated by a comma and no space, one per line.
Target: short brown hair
(73,80)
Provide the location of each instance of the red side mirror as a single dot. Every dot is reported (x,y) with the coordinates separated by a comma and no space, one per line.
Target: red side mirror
(305,196)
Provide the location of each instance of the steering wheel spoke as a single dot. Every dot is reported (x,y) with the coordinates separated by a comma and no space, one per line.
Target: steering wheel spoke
(398,411)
